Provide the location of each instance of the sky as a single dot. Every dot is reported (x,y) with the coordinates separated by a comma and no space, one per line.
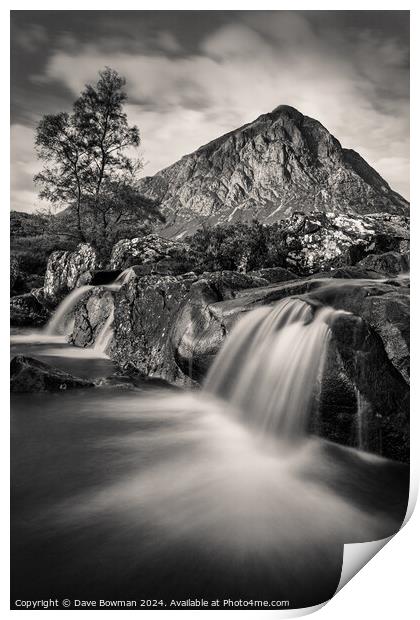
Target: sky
(194,75)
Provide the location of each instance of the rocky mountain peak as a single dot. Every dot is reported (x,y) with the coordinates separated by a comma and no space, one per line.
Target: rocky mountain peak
(268,169)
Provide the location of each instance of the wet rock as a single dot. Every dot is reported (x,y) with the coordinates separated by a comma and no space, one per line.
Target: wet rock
(29,309)
(368,369)
(66,270)
(384,305)
(364,400)
(172,328)
(148,310)
(28,374)
(90,316)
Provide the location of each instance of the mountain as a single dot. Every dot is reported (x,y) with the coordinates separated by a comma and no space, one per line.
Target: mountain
(280,163)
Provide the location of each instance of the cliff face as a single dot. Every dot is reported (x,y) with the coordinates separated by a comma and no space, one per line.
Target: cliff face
(281,163)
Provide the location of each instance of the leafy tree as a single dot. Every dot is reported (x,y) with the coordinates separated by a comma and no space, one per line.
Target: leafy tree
(238,247)
(87,169)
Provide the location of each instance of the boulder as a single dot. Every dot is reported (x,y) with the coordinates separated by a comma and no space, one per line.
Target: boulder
(67,270)
(172,328)
(323,241)
(29,310)
(389,263)
(384,305)
(144,251)
(364,400)
(368,369)
(90,316)
(147,312)
(28,374)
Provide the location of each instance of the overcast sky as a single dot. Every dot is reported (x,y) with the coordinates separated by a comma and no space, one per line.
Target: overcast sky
(192,76)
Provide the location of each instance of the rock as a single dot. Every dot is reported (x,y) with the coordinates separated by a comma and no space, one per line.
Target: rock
(146,312)
(172,327)
(143,251)
(28,374)
(390,263)
(278,164)
(324,241)
(30,309)
(369,359)
(273,274)
(384,305)
(364,400)
(66,270)
(90,316)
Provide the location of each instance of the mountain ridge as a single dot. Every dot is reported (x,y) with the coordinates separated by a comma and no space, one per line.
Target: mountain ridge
(278,164)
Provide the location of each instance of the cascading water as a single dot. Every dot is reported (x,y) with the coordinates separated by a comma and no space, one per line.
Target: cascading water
(62,319)
(105,335)
(270,367)
(61,323)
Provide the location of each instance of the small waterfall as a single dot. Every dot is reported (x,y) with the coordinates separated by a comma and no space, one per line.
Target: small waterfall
(271,364)
(125,276)
(61,321)
(120,280)
(105,335)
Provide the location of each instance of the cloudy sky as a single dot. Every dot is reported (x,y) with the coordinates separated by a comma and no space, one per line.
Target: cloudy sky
(192,76)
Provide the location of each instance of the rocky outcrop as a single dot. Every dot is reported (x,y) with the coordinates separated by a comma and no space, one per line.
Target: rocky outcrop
(310,243)
(30,309)
(368,370)
(146,311)
(281,163)
(67,270)
(172,328)
(149,250)
(319,241)
(28,374)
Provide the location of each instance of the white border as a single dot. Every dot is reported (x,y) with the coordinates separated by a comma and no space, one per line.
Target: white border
(387,586)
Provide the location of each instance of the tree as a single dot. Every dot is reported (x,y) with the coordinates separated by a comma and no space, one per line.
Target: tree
(237,247)
(87,169)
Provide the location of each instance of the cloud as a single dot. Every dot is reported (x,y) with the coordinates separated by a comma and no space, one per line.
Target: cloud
(354,81)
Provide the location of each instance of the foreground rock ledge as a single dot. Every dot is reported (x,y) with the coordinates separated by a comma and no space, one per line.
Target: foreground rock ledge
(28,374)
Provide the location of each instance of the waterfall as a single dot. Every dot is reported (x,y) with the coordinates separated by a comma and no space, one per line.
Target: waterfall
(105,335)
(271,365)
(61,320)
